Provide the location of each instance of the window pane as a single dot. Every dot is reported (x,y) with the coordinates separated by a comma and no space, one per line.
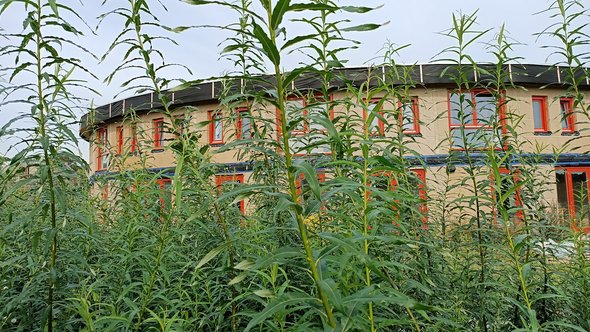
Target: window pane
(246,127)
(374,126)
(295,114)
(217,128)
(538,120)
(475,138)
(561,191)
(317,110)
(461,107)
(580,188)
(408,117)
(485,107)
(565,114)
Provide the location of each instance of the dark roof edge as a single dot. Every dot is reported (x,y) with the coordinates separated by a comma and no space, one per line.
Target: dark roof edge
(419,74)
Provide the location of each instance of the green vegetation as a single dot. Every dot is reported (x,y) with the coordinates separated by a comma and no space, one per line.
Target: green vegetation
(348,253)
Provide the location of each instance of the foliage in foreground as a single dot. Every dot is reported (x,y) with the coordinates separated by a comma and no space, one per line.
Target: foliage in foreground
(326,256)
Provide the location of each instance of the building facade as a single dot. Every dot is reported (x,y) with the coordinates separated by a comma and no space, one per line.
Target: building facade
(444,127)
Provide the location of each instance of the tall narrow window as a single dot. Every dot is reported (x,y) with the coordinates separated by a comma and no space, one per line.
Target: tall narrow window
(227,182)
(164,193)
(215,127)
(540,116)
(102,157)
(158,127)
(244,125)
(475,121)
(133,138)
(566,106)
(409,116)
(120,139)
(296,115)
(374,109)
(573,197)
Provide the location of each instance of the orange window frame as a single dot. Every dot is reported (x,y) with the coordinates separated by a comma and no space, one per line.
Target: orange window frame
(214,117)
(568,120)
(240,111)
(475,123)
(158,128)
(304,101)
(161,183)
(517,193)
(571,202)
(181,122)
(133,138)
(544,116)
(421,175)
(380,132)
(415,115)
(221,179)
(120,139)
(102,136)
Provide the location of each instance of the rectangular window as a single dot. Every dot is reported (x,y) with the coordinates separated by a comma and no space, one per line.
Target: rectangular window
(120,139)
(300,112)
(475,121)
(409,116)
(244,124)
(228,182)
(158,127)
(415,187)
(102,157)
(181,121)
(566,106)
(512,204)
(374,109)
(133,138)
(215,127)
(540,116)
(572,195)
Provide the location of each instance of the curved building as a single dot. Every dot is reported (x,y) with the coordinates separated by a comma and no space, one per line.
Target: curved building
(435,120)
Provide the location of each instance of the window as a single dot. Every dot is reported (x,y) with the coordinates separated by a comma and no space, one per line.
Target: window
(299,111)
(102,157)
(415,187)
(374,108)
(566,106)
(473,120)
(227,182)
(133,138)
(244,124)
(572,195)
(120,139)
(182,122)
(512,204)
(215,127)
(540,117)
(158,126)
(409,116)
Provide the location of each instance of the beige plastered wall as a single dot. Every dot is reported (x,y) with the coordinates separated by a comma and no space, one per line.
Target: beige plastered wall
(433,138)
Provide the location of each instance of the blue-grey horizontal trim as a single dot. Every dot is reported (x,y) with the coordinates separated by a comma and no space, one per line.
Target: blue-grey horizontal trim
(431,74)
(435,160)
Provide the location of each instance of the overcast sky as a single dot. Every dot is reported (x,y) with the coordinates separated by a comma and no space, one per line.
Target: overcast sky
(417,22)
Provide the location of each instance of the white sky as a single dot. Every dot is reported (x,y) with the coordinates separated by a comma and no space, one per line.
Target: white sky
(417,22)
